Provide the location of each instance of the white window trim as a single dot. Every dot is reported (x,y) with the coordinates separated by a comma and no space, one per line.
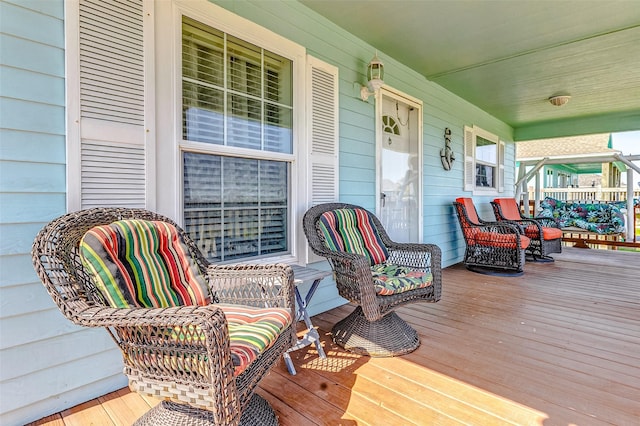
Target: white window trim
(470,134)
(169,103)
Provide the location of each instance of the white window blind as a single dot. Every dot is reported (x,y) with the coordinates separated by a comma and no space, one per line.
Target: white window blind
(239,96)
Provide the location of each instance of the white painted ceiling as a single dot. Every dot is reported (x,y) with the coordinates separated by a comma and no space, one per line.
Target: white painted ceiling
(509,56)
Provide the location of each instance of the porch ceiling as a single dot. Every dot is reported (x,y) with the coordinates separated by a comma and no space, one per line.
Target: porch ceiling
(508,57)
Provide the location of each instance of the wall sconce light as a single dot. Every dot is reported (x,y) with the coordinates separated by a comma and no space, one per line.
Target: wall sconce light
(559,100)
(375,77)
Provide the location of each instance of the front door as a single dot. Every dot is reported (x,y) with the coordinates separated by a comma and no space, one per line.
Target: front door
(400,166)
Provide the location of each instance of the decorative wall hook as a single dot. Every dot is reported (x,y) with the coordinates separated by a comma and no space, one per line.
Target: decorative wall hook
(446,154)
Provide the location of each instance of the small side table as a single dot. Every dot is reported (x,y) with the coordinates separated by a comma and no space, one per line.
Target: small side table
(303,274)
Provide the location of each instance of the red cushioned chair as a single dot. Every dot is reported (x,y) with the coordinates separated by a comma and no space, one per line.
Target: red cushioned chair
(544,239)
(496,248)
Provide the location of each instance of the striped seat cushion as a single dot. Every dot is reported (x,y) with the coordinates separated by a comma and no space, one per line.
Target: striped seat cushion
(251,332)
(391,279)
(140,263)
(352,231)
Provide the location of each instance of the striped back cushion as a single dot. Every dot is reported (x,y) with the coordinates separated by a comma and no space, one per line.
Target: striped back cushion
(352,230)
(140,263)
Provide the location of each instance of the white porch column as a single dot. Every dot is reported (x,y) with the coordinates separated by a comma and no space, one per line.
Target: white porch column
(630,211)
(538,191)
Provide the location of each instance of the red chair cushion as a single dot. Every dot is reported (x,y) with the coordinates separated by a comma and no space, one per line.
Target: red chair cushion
(493,239)
(531,231)
(509,208)
(470,208)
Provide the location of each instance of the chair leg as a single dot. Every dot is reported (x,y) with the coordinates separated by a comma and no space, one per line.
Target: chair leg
(257,413)
(389,336)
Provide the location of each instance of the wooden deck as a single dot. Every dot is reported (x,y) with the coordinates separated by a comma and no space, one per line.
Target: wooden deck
(559,345)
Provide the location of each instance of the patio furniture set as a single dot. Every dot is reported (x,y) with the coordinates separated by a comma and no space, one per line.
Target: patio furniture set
(201,336)
(501,247)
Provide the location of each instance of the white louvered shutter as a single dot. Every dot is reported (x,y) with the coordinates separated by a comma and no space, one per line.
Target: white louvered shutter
(112,155)
(469,159)
(322,127)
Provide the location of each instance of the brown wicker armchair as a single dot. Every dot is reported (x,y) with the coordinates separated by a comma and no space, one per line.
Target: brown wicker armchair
(494,248)
(546,238)
(374,273)
(181,353)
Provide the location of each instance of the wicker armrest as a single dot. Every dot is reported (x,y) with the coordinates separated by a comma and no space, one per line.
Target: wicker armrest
(504,227)
(105,316)
(413,255)
(253,285)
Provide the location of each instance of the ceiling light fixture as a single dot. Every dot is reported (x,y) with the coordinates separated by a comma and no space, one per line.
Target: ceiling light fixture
(559,100)
(375,76)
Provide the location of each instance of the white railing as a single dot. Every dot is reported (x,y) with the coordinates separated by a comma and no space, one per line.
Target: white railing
(599,194)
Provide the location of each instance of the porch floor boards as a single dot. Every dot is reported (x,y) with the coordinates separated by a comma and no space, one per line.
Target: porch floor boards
(559,345)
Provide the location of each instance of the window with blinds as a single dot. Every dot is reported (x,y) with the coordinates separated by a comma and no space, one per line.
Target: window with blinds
(483,161)
(240,96)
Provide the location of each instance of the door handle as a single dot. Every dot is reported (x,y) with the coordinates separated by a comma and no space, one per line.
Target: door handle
(383,197)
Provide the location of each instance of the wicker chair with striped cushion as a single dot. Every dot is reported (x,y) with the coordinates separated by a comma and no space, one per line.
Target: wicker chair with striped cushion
(544,239)
(496,248)
(374,273)
(197,335)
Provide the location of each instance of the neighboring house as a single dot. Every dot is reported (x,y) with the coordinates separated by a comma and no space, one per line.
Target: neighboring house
(232,121)
(572,174)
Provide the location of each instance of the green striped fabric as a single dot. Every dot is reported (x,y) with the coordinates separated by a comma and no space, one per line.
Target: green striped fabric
(251,332)
(352,230)
(140,263)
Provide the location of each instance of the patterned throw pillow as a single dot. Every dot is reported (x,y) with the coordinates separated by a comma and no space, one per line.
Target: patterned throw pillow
(352,231)
(391,279)
(140,263)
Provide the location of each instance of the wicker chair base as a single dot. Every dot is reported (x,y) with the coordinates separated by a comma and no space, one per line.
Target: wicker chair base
(495,272)
(389,336)
(257,413)
(539,259)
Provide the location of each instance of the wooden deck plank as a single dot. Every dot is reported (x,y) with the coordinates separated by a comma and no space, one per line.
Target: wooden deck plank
(89,413)
(556,346)
(123,406)
(52,420)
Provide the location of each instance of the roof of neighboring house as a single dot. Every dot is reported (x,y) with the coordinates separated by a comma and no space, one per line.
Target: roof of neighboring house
(570,146)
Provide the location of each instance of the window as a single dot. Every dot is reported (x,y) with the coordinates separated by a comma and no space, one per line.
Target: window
(234,137)
(238,96)
(549,179)
(484,161)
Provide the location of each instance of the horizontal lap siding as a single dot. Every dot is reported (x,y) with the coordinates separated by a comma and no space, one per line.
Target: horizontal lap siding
(441,109)
(32,192)
(33,184)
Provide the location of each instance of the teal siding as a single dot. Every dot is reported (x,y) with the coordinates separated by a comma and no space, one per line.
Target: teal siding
(63,358)
(441,109)
(32,192)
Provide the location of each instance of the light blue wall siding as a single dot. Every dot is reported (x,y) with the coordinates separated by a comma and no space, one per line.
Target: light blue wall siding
(441,109)
(62,370)
(47,363)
